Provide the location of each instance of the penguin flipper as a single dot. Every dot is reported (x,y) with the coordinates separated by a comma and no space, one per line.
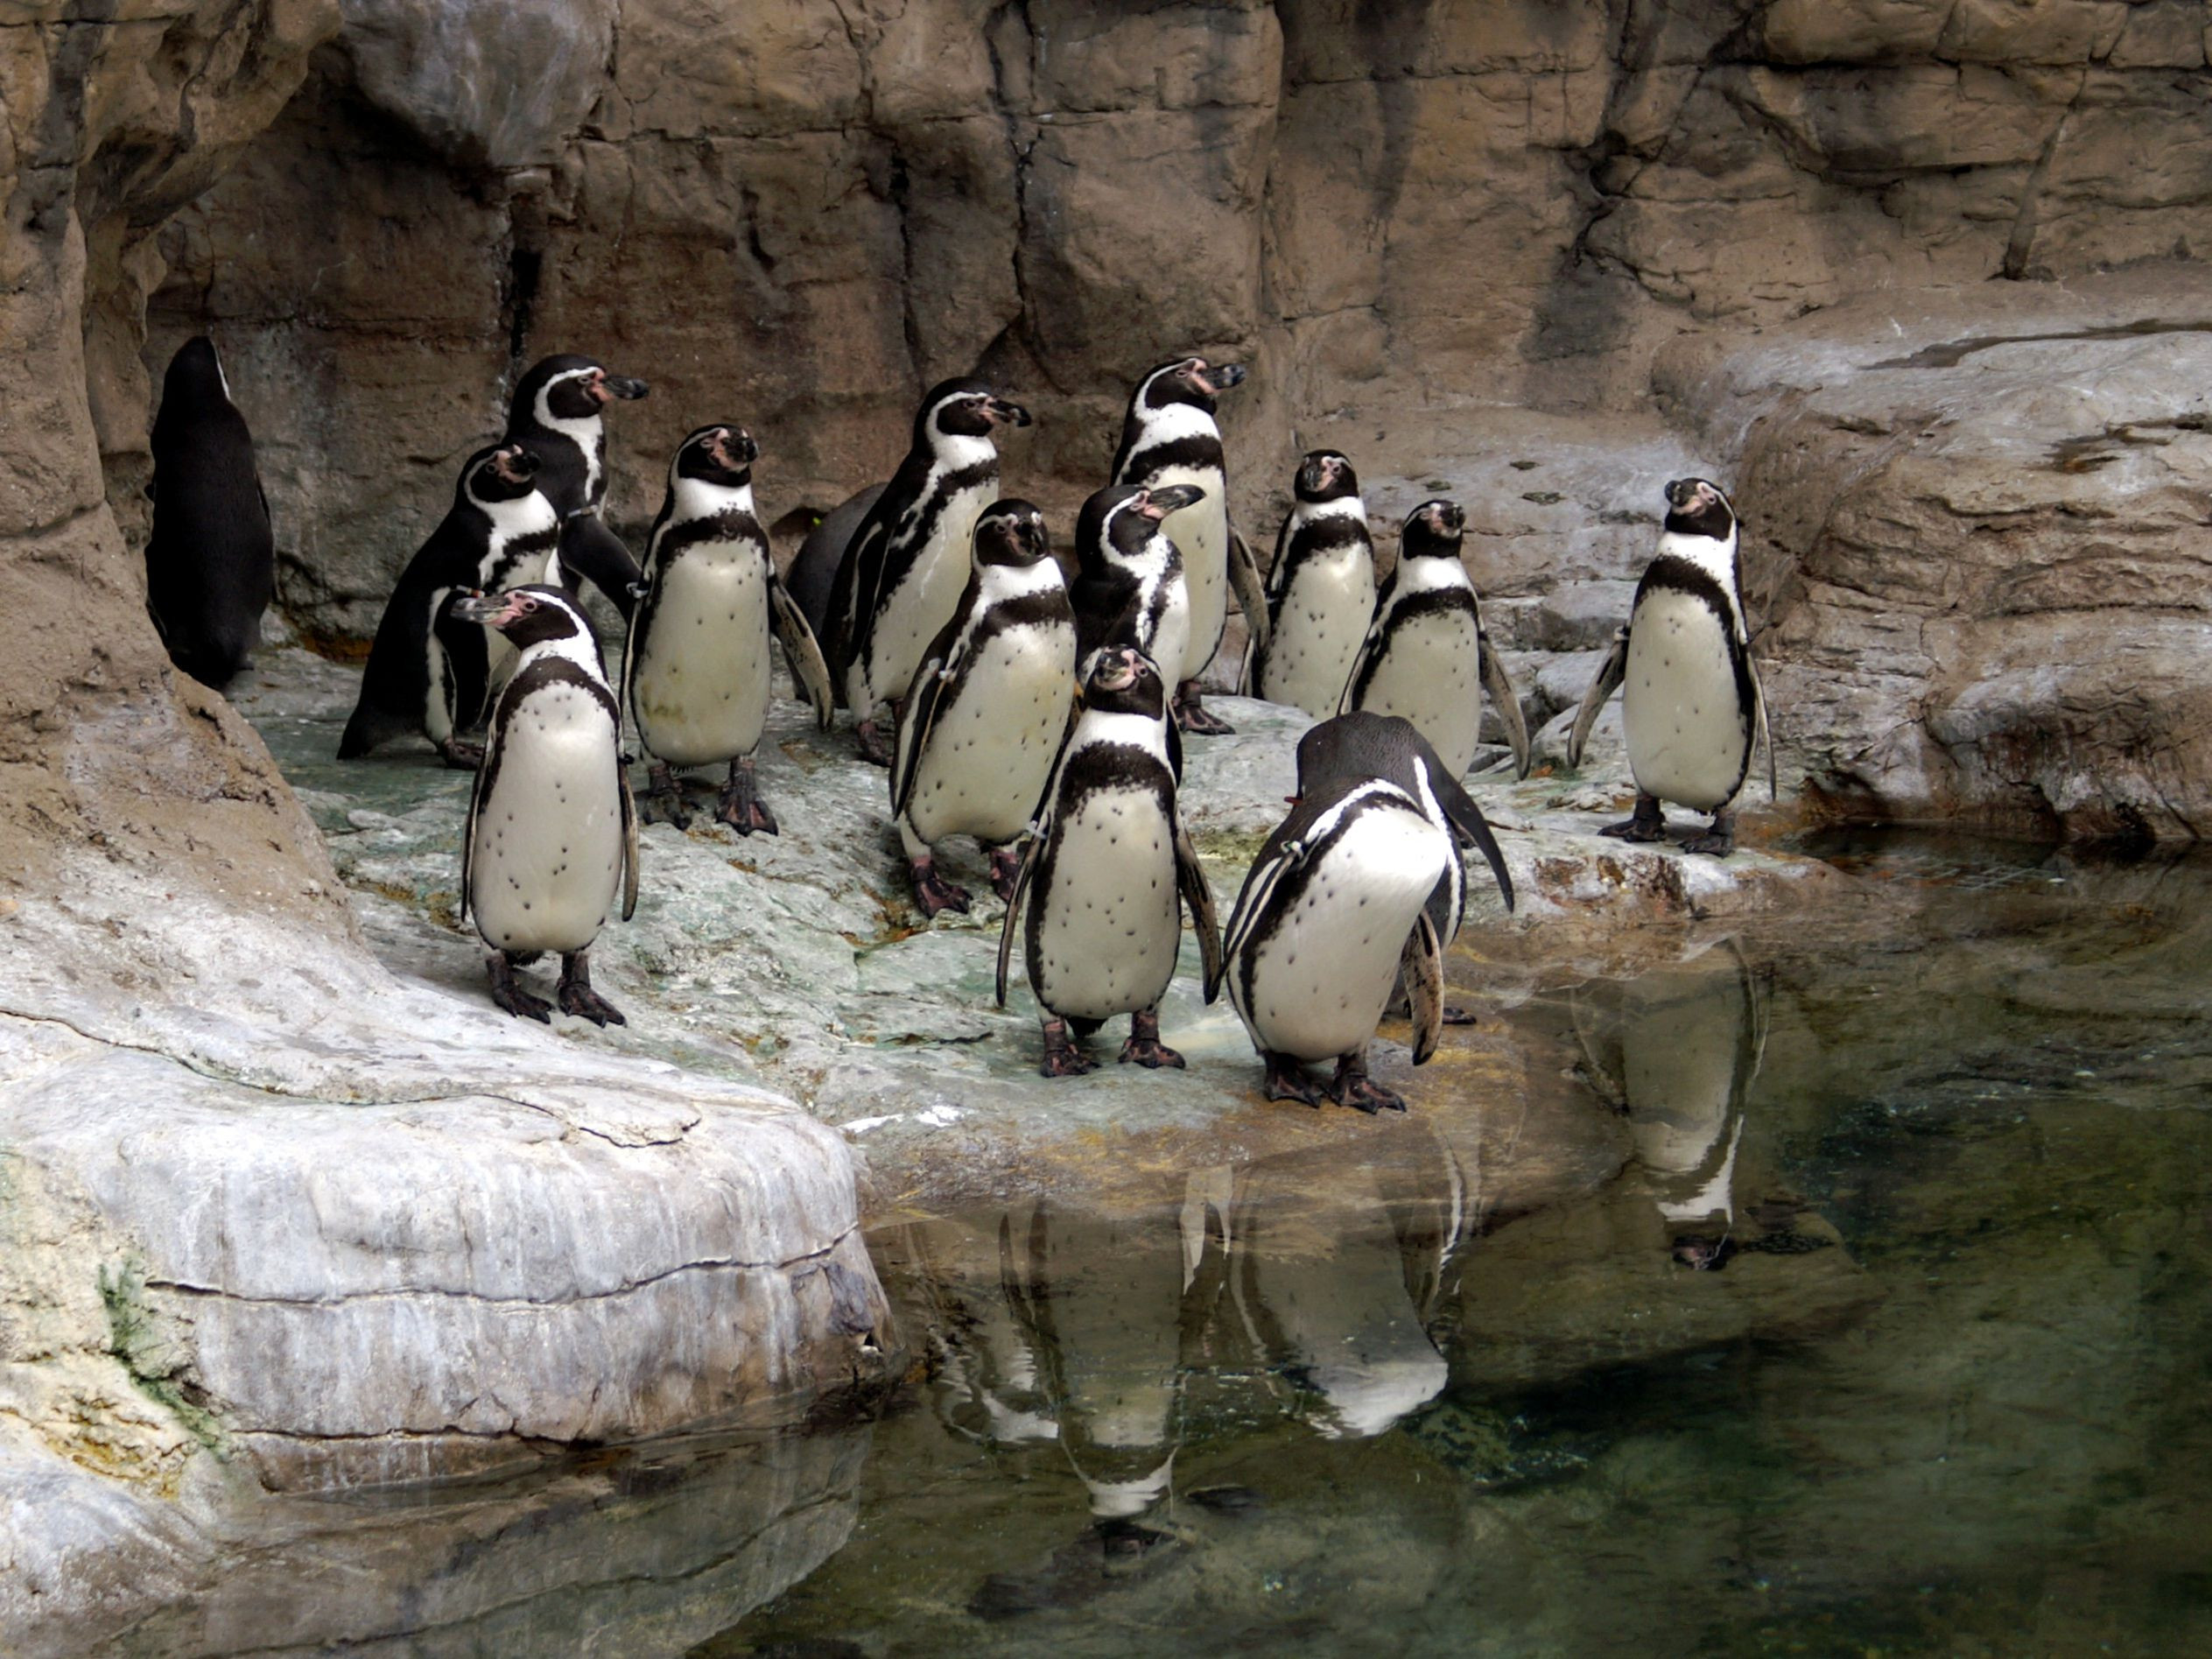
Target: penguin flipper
(1504,699)
(590,552)
(629,837)
(1190,879)
(1462,813)
(1611,673)
(1015,906)
(1422,965)
(469,824)
(925,697)
(809,667)
(1251,590)
(1761,732)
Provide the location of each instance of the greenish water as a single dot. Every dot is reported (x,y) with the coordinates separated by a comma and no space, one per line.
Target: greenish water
(1845,1289)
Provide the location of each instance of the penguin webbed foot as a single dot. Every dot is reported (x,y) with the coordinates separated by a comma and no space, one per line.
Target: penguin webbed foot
(1352,1087)
(1648,823)
(459,756)
(1287,1079)
(1716,843)
(1062,1057)
(1145,1047)
(668,796)
(870,738)
(577,998)
(1193,716)
(933,893)
(1005,870)
(508,992)
(1454,1014)
(741,807)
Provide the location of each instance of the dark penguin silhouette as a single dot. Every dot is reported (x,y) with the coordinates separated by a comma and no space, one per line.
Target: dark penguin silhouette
(211,565)
(555,414)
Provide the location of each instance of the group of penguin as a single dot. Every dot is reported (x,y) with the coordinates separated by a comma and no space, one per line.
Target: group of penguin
(1041,716)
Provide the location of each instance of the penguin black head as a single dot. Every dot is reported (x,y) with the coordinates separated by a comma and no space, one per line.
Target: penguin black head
(568,387)
(1433,531)
(1124,518)
(1121,679)
(1011,532)
(964,409)
(721,454)
(1699,506)
(531,615)
(195,375)
(504,472)
(1325,475)
(1188,380)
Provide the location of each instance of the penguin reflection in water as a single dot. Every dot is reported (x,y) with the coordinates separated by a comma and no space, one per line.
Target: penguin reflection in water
(985,712)
(696,665)
(1692,711)
(1350,892)
(1098,900)
(552,830)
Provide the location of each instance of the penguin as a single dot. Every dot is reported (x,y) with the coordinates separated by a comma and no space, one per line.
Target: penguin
(1098,898)
(986,711)
(1692,712)
(696,663)
(211,562)
(1321,590)
(1427,656)
(552,830)
(427,671)
(1130,587)
(555,414)
(812,572)
(1168,436)
(901,577)
(1340,900)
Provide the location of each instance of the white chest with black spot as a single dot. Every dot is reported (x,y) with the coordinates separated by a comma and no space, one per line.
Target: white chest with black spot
(699,677)
(909,616)
(1426,666)
(1320,613)
(1689,733)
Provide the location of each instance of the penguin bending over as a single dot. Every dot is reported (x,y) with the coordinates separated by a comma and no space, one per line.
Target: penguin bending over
(900,578)
(1168,436)
(1427,656)
(1344,896)
(428,671)
(1693,711)
(1099,899)
(552,829)
(1129,587)
(696,665)
(211,563)
(555,414)
(988,708)
(1321,590)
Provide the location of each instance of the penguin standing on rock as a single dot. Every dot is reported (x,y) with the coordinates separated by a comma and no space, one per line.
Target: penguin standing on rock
(1692,711)
(1129,587)
(1098,900)
(1427,656)
(429,671)
(986,710)
(1169,437)
(1321,590)
(900,578)
(555,414)
(1342,900)
(211,563)
(696,664)
(552,830)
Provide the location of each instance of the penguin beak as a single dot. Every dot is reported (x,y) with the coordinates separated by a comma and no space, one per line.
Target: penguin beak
(1000,412)
(493,610)
(516,465)
(1157,504)
(1451,517)
(621,386)
(1217,378)
(736,447)
(1679,492)
(1117,670)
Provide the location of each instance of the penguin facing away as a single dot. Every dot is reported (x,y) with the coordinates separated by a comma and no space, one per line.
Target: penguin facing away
(555,415)
(985,712)
(211,562)
(1340,902)
(902,573)
(1168,436)
(1321,590)
(1692,711)
(552,830)
(1427,656)
(696,664)
(427,670)
(1099,896)
(1127,568)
